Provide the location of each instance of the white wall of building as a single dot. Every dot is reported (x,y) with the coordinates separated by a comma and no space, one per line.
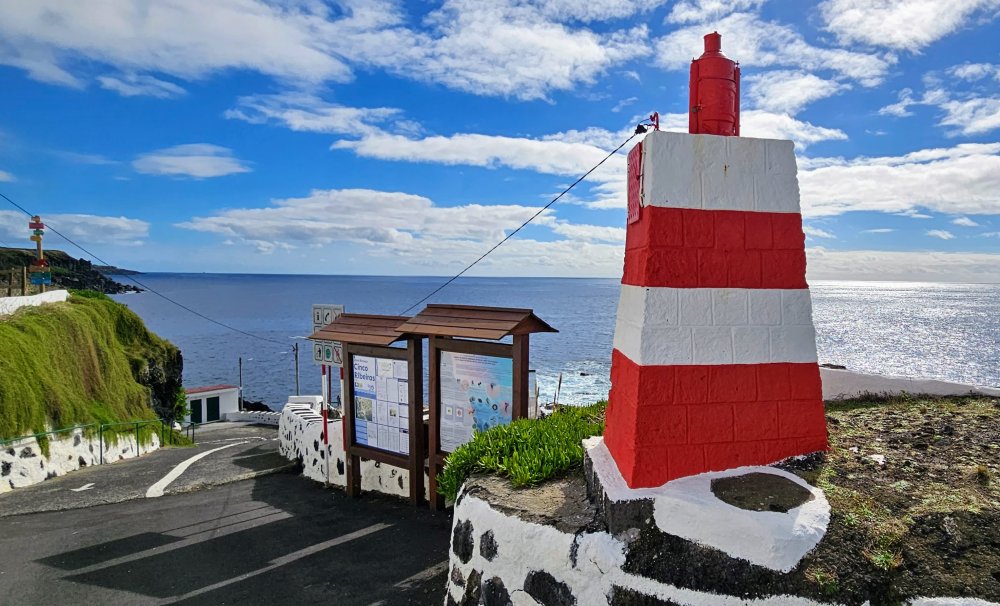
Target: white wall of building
(229,403)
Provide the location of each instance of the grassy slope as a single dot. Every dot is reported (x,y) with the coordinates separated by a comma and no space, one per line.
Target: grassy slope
(74,362)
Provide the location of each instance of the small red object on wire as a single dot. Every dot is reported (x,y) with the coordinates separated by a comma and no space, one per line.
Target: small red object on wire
(655,119)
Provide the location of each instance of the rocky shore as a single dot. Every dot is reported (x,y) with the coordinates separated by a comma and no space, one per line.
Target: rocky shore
(67,271)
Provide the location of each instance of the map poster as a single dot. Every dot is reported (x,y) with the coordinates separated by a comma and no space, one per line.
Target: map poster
(381,411)
(476,394)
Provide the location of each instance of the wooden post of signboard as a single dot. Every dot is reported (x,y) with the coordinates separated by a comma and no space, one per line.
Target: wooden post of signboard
(519,385)
(434,420)
(415,366)
(24,281)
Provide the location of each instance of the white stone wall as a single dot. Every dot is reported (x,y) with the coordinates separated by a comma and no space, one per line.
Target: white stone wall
(23,464)
(840,384)
(248,416)
(9,305)
(300,432)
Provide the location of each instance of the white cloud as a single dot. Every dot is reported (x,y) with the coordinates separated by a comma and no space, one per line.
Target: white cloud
(623,104)
(900,24)
(901,108)
(754,41)
(878,230)
(6,177)
(306,112)
(694,11)
(510,48)
(82,228)
(590,233)
(134,85)
(789,91)
(941,234)
(964,179)
(413,231)
(196,160)
(816,232)
(81,158)
(990,234)
(183,38)
(972,72)
(915,266)
(964,222)
(972,116)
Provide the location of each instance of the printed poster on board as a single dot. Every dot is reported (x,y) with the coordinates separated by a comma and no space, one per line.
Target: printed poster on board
(381,409)
(476,394)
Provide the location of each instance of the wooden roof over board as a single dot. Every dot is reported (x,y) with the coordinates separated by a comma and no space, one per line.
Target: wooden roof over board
(474,322)
(364,329)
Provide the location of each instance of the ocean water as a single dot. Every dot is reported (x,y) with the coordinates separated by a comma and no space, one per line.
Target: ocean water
(941,331)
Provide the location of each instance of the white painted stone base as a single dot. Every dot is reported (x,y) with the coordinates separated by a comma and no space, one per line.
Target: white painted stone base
(259,417)
(523,547)
(22,463)
(686,508)
(300,432)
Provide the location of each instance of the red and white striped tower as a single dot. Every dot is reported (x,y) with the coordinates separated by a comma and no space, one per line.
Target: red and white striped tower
(714,363)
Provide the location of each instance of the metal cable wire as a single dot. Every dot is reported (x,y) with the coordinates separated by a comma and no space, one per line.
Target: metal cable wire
(523,225)
(140,284)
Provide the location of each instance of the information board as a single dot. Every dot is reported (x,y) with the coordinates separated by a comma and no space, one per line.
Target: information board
(476,394)
(381,404)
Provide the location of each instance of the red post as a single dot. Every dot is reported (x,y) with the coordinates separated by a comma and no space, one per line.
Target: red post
(715,92)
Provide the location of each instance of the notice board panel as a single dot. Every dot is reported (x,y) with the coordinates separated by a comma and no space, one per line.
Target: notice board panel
(381,403)
(476,394)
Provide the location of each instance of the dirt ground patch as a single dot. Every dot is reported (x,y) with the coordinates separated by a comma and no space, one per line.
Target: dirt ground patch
(914,487)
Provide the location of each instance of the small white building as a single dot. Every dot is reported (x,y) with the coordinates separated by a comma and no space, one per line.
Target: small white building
(211,403)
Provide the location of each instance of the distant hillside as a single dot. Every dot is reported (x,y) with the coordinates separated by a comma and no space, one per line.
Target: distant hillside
(67,271)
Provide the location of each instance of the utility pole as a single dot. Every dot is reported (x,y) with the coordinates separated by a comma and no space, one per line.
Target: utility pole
(295,349)
(241,383)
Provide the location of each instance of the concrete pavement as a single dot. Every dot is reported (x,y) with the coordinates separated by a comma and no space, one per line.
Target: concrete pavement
(275,539)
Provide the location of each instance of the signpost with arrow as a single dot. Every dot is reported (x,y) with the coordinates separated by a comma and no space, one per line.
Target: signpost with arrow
(39,269)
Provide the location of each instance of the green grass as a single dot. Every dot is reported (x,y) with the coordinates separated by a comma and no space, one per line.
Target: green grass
(75,363)
(526,451)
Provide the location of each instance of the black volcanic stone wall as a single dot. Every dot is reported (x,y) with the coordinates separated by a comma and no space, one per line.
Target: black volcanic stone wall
(462,543)
(547,590)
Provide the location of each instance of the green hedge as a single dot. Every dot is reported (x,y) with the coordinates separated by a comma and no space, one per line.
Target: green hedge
(73,363)
(526,451)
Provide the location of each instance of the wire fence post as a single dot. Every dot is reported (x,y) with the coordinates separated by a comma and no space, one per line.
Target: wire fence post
(100,431)
(136,438)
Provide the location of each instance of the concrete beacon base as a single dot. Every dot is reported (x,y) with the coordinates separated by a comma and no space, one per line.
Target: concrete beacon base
(570,542)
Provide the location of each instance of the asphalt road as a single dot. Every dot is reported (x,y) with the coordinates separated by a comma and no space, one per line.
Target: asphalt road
(274,539)
(235,451)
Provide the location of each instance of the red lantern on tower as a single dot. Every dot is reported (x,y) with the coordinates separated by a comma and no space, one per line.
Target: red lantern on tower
(715,92)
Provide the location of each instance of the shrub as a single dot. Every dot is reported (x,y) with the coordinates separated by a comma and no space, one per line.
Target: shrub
(527,451)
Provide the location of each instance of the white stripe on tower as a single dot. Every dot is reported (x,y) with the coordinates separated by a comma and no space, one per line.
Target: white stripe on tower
(669,326)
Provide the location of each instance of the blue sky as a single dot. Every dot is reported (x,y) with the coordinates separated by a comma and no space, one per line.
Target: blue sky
(381,137)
